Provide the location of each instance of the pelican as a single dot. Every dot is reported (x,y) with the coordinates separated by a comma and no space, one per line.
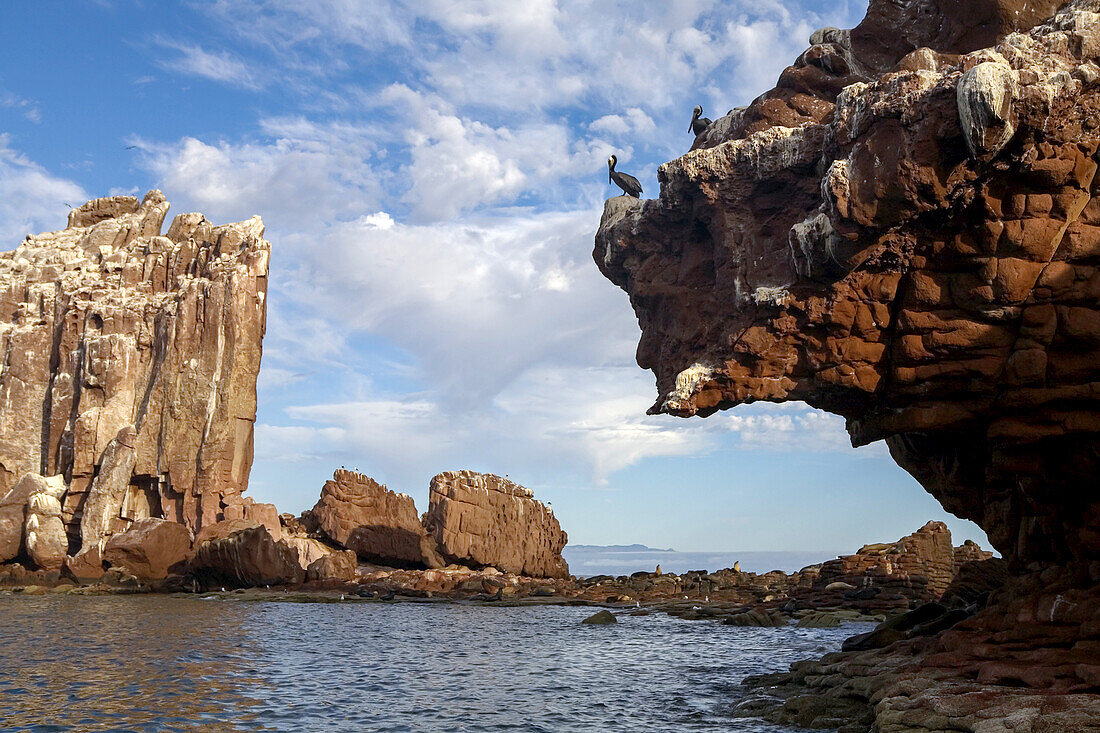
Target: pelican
(628,183)
(698,124)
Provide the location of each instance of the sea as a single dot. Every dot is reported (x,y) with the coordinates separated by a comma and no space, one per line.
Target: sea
(589,560)
(195,663)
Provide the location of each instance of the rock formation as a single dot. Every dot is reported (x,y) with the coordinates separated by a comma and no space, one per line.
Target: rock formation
(341,566)
(358,513)
(904,232)
(481,519)
(44,533)
(129,367)
(871,239)
(150,548)
(924,561)
(243,557)
(891,577)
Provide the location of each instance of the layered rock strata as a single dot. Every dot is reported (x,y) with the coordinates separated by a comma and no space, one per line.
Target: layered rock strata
(379,525)
(485,520)
(129,364)
(903,233)
(906,232)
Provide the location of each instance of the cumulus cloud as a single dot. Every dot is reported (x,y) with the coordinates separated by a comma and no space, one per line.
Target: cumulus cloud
(31,199)
(447,216)
(477,301)
(300,172)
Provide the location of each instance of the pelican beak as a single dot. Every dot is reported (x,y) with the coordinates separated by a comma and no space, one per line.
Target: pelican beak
(691,124)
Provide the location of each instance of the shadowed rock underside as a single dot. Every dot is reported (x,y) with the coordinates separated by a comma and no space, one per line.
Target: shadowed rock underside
(906,232)
(909,241)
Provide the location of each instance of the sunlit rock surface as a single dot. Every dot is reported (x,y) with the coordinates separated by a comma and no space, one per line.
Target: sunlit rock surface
(128,366)
(479,520)
(380,525)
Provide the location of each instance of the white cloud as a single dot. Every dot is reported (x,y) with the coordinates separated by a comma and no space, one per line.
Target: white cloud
(303,174)
(476,301)
(219,66)
(27,107)
(31,199)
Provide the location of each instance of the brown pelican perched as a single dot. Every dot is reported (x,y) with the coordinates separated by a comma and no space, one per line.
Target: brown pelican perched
(698,124)
(628,183)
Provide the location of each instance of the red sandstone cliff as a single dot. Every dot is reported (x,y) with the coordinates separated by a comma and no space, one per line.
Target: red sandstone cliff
(129,369)
(906,232)
(907,237)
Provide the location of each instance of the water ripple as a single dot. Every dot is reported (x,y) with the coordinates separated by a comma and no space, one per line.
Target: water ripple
(157,663)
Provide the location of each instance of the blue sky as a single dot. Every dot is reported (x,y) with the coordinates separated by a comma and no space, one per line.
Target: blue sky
(431,175)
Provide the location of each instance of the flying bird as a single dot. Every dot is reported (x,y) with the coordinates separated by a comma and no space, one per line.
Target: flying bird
(131,147)
(698,124)
(628,183)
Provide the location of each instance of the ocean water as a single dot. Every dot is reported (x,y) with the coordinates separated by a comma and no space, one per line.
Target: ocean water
(588,560)
(160,663)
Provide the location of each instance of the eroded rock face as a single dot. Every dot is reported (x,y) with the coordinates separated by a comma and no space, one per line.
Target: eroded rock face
(149,548)
(906,232)
(245,558)
(129,364)
(485,520)
(341,566)
(920,566)
(380,525)
(909,239)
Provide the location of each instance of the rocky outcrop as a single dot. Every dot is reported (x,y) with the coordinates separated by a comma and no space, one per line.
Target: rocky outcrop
(244,558)
(150,548)
(922,565)
(129,364)
(891,577)
(906,232)
(379,525)
(16,523)
(340,566)
(914,250)
(485,520)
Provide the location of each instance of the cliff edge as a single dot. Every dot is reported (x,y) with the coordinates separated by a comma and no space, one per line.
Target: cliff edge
(906,232)
(128,365)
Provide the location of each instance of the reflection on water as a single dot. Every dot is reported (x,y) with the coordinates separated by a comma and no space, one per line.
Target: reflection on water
(158,663)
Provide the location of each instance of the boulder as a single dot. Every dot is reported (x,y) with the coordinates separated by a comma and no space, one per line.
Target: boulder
(342,565)
(18,523)
(600,618)
(381,526)
(480,519)
(47,543)
(136,375)
(222,529)
(247,557)
(150,548)
(309,549)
